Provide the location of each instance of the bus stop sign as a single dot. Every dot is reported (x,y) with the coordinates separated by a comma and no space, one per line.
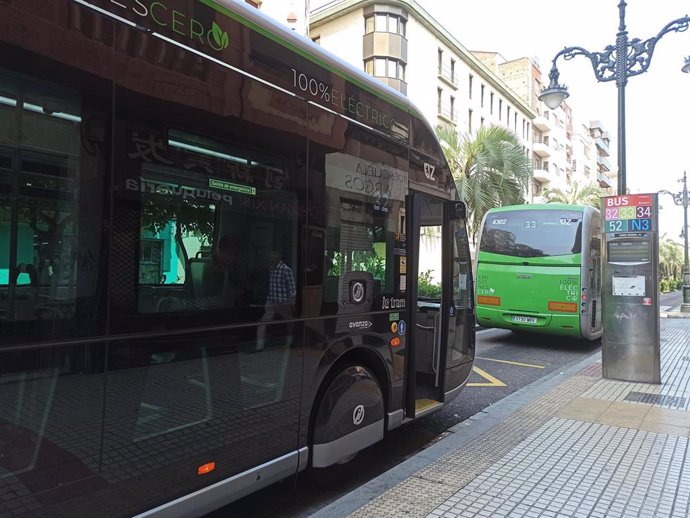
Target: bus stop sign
(630,294)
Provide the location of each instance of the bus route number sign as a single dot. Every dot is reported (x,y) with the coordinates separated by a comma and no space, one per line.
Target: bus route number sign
(629,213)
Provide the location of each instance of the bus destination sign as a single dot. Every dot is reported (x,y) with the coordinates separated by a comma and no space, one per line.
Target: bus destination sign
(629,213)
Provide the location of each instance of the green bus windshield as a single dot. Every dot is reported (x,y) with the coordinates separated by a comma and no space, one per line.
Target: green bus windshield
(532,233)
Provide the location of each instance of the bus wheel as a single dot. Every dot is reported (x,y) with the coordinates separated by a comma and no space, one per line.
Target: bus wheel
(349,416)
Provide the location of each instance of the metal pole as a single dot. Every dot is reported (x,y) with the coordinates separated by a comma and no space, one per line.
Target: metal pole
(685,306)
(621,81)
(621,140)
(627,58)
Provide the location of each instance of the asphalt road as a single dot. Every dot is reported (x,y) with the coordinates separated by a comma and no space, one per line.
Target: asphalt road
(673,299)
(505,362)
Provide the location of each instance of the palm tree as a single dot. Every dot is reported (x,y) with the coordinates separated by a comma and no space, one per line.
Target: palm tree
(670,261)
(577,194)
(490,169)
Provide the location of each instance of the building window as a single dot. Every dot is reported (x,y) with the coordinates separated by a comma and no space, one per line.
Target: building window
(491,103)
(470,85)
(500,109)
(481,121)
(515,123)
(452,108)
(452,70)
(469,120)
(536,188)
(369,24)
(481,97)
(508,116)
(440,61)
(439,96)
(382,22)
(385,67)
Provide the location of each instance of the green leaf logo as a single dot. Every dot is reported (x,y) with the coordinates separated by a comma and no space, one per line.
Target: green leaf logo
(220,36)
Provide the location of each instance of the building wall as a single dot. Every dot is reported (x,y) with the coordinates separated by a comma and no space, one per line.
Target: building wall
(343,36)
(339,26)
(423,81)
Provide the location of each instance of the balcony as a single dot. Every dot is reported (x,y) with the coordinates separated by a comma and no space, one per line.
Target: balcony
(604,181)
(602,146)
(448,76)
(541,171)
(603,163)
(446,112)
(542,123)
(540,146)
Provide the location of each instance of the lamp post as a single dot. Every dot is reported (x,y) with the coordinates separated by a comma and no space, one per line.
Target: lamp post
(681,198)
(617,62)
(685,307)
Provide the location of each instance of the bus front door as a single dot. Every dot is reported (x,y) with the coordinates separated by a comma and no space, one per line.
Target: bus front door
(434,286)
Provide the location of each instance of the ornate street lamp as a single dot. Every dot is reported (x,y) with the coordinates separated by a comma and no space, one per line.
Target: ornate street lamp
(617,62)
(681,198)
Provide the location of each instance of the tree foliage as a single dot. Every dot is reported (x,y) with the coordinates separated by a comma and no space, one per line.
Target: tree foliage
(576,194)
(490,169)
(670,263)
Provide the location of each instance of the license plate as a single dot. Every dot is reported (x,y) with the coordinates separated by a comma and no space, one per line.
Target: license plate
(524,320)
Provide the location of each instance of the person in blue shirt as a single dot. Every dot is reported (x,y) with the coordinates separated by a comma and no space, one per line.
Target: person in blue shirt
(280,300)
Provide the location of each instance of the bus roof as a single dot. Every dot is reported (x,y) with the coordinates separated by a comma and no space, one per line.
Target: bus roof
(540,206)
(302,45)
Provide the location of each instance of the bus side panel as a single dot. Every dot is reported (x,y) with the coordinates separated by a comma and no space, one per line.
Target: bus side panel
(209,203)
(530,298)
(357,182)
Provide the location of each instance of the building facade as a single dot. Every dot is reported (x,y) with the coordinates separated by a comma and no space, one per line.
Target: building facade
(405,47)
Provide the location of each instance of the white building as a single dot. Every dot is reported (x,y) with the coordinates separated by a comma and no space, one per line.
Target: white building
(401,44)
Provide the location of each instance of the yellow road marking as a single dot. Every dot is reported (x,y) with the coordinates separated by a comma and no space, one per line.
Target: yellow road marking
(493,382)
(512,363)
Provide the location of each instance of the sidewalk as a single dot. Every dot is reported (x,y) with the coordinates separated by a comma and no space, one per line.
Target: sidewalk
(570,445)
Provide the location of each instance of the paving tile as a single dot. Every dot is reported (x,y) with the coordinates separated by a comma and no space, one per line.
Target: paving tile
(580,449)
(668,416)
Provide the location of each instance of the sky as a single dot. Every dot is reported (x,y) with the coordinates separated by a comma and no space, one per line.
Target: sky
(657,102)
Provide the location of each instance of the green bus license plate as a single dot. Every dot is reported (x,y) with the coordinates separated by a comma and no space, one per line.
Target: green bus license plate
(524,320)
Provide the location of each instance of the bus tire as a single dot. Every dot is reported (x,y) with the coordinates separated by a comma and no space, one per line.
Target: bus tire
(349,416)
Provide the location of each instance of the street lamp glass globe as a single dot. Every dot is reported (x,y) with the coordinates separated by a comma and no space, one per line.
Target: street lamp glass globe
(553,96)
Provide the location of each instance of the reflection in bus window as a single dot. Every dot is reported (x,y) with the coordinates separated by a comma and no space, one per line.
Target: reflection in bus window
(39,200)
(210,213)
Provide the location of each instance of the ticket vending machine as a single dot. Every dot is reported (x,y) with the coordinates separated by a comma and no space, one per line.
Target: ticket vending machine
(630,292)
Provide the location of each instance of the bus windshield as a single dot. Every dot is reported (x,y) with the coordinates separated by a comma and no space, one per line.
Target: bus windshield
(532,233)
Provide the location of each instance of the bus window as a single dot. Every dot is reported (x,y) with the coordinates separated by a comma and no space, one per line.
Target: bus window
(532,233)
(364,204)
(206,225)
(51,191)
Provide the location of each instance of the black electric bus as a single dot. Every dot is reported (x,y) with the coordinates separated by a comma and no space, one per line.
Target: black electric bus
(211,235)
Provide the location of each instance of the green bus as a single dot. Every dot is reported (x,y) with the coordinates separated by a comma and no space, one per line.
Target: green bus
(538,270)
